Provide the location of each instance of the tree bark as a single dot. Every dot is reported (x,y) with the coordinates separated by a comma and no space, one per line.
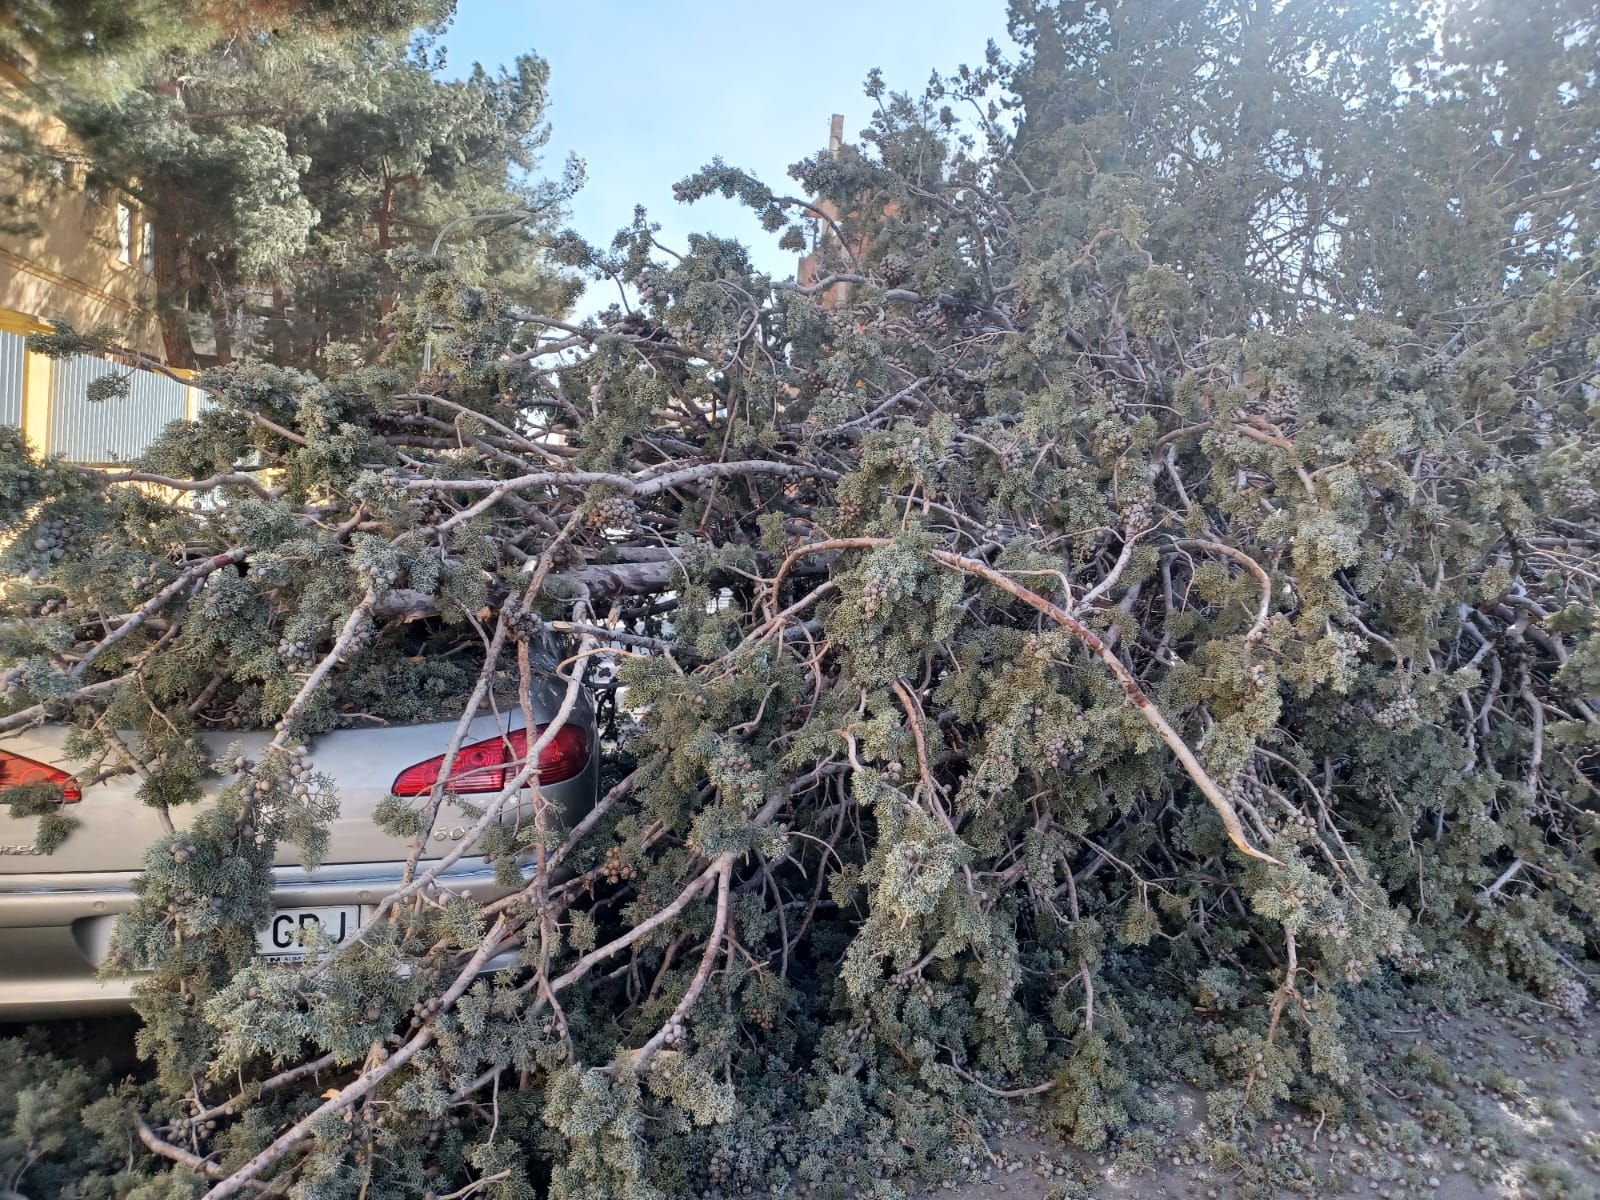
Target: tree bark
(171,287)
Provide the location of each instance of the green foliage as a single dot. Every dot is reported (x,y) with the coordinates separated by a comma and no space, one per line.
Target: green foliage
(295,157)
(1135,621)
(104,44)
(52,1136)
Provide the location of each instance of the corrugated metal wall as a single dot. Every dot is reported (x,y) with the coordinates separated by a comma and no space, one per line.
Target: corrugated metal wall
(116,430)
(13,350)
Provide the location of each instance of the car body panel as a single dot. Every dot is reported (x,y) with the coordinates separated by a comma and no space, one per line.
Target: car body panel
(52,942)
(57,911)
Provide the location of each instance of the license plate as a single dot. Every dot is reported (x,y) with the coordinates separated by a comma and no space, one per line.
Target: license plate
(282,938)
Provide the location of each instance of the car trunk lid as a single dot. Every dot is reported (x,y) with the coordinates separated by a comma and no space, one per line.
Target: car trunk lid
(115,827)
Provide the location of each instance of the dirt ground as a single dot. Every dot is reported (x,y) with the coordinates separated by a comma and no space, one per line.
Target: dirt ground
(1522,1122)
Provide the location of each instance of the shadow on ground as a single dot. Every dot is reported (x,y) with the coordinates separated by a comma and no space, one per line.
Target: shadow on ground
(1515,1115)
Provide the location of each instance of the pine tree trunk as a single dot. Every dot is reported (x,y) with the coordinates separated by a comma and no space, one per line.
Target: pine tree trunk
(171,286)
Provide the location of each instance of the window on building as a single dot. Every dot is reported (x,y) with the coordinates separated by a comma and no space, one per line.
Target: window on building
(147,248)
(124,234)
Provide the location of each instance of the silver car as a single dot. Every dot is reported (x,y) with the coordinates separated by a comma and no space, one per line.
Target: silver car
(57,910)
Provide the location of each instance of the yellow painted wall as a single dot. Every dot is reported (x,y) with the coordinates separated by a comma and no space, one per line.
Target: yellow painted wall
(36,380)
(70,266)
(37,375)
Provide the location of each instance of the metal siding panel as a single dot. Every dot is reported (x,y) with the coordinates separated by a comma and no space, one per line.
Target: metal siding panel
(13,354)
(74,422)
(82,430)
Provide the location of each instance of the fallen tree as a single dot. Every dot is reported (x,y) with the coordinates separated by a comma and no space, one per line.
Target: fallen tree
(1131,610)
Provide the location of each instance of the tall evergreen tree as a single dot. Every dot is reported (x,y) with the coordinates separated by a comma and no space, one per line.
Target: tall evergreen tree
(105,46)
(286,168)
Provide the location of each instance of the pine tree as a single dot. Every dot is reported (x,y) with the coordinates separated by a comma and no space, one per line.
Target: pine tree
(104,46)
(1144,624)
(286,168)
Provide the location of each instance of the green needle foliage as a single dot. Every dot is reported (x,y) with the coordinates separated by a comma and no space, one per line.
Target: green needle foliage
(105,47)
(285,153)
(1131,618)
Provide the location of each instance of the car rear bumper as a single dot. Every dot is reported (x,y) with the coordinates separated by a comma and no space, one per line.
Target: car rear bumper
(53,938)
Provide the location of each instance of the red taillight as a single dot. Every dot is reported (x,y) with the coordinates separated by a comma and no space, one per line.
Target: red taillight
(486,766)
(16,771)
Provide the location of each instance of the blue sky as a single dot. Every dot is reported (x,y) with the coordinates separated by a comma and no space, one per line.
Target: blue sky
(646,91)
